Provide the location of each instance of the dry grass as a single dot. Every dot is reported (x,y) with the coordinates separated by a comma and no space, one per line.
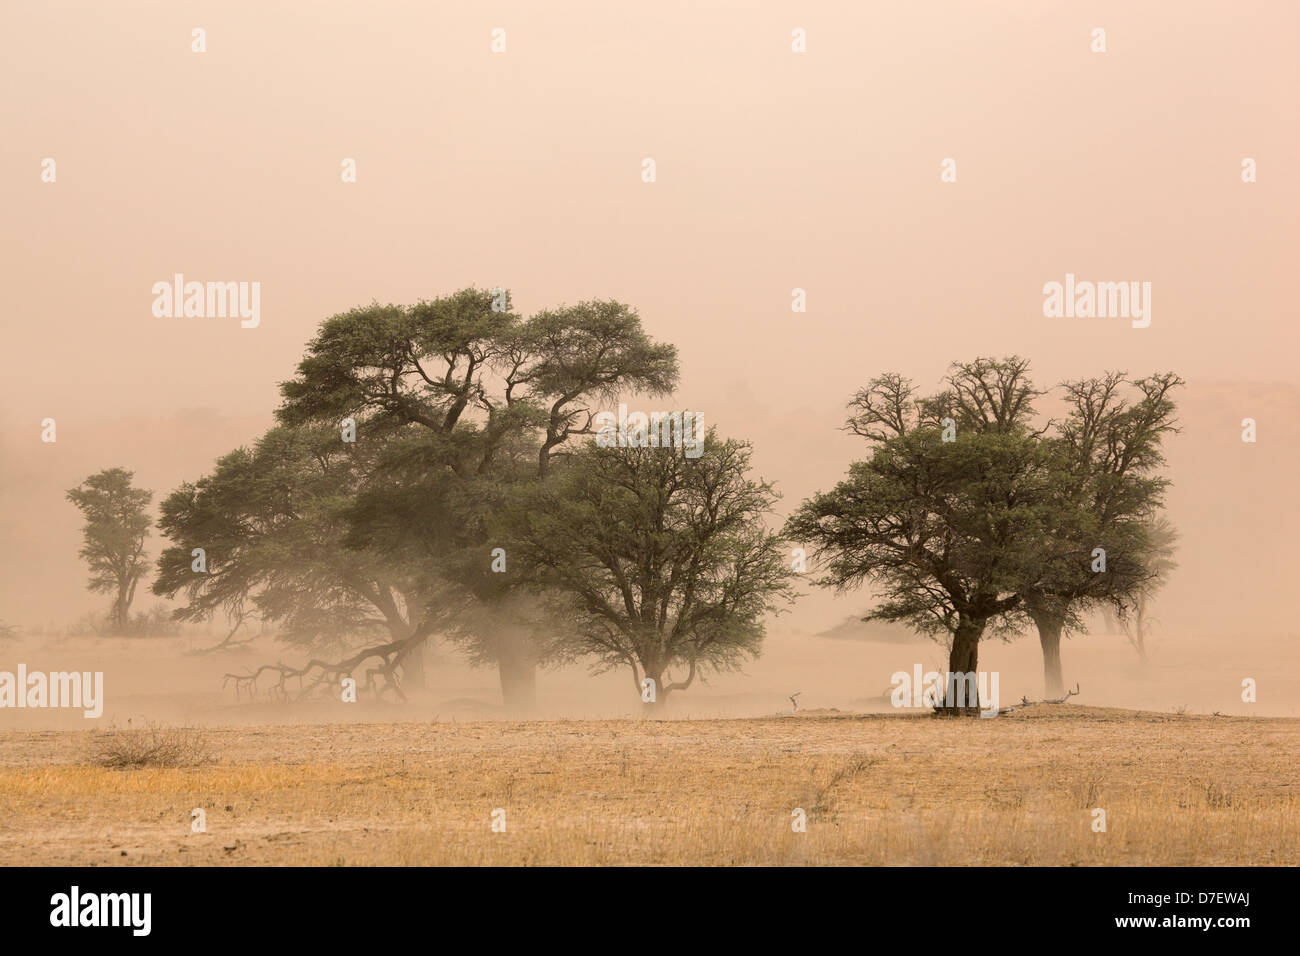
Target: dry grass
(153,746)
(876,790)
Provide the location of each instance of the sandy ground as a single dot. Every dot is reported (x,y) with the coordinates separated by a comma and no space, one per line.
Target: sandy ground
(1184,769)
(874,789)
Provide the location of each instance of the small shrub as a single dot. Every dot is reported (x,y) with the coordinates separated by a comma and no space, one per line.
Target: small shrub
(154,746)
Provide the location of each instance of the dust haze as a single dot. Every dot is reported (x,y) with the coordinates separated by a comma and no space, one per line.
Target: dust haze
(779,173)
(1225,610)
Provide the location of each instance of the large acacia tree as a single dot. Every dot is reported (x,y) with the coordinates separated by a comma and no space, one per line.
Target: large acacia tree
(660,560)
(117,523)
(473,400)
(269,525)
(946,516)
(1005,520)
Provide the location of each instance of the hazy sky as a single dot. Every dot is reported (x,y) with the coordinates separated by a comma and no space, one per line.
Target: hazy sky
(775,170)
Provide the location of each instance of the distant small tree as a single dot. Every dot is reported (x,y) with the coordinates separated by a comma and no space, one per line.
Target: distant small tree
(1109,496)
(1158,557)
(660,560)
(113,537)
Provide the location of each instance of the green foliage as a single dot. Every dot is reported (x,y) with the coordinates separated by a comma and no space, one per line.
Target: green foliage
(117,523)
(944,530)
(475,405)
(458,408)
(659,560)
(1005,517)
(271,520)
(1107,495)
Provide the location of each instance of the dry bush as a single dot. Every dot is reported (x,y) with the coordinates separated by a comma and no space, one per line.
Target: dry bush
(153,746)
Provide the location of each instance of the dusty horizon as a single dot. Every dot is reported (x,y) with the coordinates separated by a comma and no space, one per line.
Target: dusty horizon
(775,171)
(464,635)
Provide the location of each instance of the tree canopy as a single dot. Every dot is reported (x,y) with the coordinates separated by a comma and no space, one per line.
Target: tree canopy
(456,405)
(661,560)
(968,514)
(117,523)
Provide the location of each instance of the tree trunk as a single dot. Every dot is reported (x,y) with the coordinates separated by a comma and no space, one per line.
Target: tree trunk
(120,613)
(653,708)
(1049,636)
(413,668)
(963,659)
(1053,681)
(517,668)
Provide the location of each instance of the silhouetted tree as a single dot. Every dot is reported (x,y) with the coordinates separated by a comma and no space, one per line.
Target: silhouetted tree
(113,537)
(1158,557)
(947,530)
(659,559)
(967,550)
(1108,497)
(467,391)
(271,523)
